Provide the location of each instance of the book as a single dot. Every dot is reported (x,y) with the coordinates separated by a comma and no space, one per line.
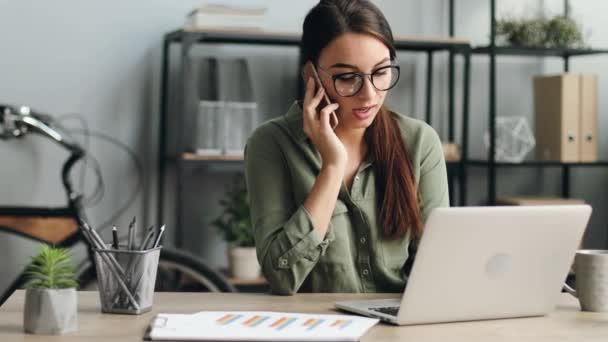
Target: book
(224,17)
(223,9)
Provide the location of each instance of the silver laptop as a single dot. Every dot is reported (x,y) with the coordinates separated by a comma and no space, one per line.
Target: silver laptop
(478,263)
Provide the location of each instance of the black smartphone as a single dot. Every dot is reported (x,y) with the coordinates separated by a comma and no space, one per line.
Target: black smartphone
(309,71)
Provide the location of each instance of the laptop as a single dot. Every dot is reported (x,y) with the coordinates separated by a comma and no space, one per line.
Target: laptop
(477,263)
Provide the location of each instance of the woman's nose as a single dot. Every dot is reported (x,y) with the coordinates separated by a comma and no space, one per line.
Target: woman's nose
(368,90)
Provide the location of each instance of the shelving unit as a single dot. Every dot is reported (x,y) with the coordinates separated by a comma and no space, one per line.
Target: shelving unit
(187,39)
(493,51)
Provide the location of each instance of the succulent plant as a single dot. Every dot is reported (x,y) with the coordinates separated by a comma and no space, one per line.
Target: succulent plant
(51,269)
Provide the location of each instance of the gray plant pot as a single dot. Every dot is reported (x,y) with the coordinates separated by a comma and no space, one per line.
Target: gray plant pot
(243,262)
(50,311)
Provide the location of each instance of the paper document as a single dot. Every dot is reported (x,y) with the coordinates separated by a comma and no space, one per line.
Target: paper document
(258,326)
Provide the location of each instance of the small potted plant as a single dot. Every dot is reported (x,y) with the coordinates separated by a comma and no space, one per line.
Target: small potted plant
(556,32)
(234,223)
(51,304)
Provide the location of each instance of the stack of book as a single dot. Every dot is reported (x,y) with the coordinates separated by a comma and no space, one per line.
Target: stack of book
(226,17)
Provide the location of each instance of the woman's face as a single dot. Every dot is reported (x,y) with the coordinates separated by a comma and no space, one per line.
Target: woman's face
(354,52)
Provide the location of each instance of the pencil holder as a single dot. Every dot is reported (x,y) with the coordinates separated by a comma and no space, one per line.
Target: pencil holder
(126,279)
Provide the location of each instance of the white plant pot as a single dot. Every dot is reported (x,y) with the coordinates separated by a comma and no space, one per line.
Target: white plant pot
(243,263)
(50,311)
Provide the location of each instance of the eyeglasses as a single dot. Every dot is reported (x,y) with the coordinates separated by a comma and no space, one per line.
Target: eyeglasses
(350,83)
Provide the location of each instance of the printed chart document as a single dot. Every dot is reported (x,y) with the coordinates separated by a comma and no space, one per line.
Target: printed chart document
(257,326)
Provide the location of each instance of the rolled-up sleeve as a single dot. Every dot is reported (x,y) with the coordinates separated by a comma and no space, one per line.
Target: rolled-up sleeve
(287,245)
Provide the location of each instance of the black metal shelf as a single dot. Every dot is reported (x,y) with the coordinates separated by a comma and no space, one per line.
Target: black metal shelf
(537,163)
(233,37)
(262,37)
(186,39)
(536,51)
(493,52)
(210,158)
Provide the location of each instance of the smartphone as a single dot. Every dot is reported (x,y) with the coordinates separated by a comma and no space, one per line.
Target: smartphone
(310,71)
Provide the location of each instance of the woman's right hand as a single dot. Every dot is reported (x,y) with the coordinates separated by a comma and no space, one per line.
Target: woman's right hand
(318,128)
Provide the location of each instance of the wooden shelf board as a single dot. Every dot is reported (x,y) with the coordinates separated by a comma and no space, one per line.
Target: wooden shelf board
(538,163)
(264,36)
(189,156)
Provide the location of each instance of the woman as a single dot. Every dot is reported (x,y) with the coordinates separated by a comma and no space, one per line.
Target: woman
(340,210)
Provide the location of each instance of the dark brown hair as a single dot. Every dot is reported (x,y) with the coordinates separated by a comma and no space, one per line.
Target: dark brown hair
(395,182)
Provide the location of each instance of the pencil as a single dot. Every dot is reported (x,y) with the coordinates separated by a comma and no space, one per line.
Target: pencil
(114,238)
(131,234)
(160,234)
(148,237)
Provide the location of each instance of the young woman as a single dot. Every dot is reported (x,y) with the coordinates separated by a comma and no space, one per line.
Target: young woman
(340,210)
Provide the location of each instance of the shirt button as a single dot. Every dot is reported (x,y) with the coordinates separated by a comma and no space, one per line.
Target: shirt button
(365,272)
(283,262)
(362,240)
(356,178)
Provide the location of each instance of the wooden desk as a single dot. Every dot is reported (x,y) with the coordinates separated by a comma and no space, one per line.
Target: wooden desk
(565,324)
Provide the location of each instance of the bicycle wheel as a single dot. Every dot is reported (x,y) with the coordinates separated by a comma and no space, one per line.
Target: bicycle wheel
(178,271)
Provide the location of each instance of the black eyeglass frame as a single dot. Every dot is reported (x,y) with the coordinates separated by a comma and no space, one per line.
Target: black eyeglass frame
(361,74)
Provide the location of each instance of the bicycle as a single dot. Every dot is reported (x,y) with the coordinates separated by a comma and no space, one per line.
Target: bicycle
(28,227)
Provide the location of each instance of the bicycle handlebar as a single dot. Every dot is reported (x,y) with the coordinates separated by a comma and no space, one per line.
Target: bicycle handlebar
(17,122)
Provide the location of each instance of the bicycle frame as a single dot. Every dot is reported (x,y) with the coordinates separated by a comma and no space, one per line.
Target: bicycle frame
(26,221)
(17,122)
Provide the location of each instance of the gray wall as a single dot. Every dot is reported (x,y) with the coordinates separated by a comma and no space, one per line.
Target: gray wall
(102,61)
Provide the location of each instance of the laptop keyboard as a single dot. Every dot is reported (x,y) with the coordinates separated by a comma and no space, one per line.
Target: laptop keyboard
(387,310)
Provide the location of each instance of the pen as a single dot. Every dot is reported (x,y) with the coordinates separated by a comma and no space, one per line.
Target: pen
(148,237)
(160,234)
(131,234)
(114,238)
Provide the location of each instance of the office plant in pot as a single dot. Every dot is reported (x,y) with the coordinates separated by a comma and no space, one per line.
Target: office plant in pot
(234,224)
(50,296)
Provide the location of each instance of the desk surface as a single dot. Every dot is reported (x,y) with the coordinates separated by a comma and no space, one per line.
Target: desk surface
(567,323)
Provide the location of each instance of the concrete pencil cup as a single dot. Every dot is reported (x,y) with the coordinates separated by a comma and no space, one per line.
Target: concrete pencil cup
(126,279)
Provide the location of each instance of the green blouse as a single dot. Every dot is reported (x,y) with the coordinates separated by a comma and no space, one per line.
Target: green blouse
(281,167)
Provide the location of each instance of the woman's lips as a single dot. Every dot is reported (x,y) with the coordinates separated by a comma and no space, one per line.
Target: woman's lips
(363,113)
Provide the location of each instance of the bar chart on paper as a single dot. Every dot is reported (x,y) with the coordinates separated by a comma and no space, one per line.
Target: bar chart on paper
(251,326)
(280,323)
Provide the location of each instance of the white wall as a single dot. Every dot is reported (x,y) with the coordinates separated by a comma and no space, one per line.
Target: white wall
(102,60)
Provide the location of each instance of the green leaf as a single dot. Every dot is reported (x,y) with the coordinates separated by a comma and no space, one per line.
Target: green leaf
(234,223)
(51,268)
